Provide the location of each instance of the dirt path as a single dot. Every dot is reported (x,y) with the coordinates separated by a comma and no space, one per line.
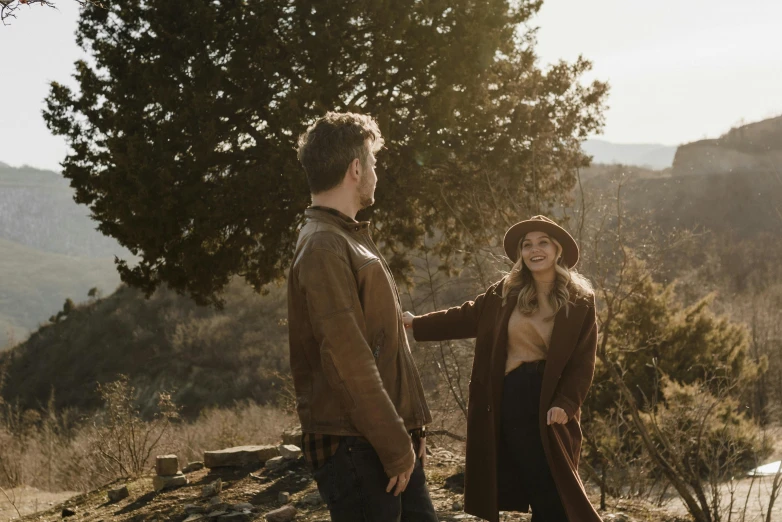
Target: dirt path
(28,500)
(754,495)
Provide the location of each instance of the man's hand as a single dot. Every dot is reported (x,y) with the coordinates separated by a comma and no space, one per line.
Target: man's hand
(400,481)
(422,451)
(407,319)
(556,415)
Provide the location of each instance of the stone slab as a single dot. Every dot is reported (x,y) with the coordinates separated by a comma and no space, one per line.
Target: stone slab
(290,451)
(168,482)
(240,456)
(166,465)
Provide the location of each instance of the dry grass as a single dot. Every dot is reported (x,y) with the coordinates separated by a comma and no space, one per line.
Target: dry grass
(48,454)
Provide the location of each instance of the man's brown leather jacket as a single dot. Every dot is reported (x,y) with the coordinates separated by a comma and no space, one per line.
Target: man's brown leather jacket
(351,363)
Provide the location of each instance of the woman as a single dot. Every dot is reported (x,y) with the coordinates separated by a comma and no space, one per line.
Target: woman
(534,359)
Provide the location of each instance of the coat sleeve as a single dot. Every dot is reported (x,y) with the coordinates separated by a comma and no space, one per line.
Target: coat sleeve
(329,286)
(577,376)
(459,322)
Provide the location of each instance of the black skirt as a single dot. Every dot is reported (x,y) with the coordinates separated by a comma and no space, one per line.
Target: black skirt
(524,478)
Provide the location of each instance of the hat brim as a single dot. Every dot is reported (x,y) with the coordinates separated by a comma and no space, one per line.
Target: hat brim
(517,232)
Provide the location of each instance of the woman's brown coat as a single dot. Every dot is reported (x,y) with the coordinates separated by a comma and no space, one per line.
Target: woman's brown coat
(567,377)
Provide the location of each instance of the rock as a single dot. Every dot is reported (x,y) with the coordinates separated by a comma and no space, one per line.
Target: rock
(239,456)
(213,488)
(243,506)
(117,494)
(66,512)
(455,483)
(193,466)
(457,506)
(222,507)
(194,509)
(292,436)
(290,451)
(284,497)
(617,517)
(243,516)
(275,463)
(166,465)
(195,517)
(284,514)
(168,482)
(215,500)
(216,514)
(313,499)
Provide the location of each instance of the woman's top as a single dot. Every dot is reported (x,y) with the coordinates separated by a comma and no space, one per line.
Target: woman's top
(529,335)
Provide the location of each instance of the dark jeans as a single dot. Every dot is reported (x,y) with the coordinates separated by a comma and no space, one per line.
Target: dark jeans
(353,484)
(526,464)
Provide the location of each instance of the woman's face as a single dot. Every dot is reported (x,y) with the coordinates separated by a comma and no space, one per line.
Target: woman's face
(539,253)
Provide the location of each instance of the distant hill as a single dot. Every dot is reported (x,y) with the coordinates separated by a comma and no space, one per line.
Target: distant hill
(752,148)
(652,156)
(37,210)
(50,250)
(36,283)
(732,183)
(206,357)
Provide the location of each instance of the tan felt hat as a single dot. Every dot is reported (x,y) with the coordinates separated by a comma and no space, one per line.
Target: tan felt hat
(541,224)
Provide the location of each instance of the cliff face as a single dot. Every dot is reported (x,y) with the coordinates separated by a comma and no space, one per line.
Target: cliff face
(756,148)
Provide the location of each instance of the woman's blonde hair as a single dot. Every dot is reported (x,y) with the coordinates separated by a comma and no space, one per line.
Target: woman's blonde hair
(568,284)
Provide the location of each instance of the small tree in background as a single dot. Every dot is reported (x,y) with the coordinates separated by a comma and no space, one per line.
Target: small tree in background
(123,440)
(674,373)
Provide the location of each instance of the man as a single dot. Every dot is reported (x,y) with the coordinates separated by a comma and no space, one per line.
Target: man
(359,396)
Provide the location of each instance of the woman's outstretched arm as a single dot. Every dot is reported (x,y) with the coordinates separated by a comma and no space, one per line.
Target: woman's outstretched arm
(459,322)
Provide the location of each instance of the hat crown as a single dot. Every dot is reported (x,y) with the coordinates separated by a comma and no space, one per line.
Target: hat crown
(541,217)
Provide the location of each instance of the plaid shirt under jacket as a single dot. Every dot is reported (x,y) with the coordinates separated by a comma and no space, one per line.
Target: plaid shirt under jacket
(318,447)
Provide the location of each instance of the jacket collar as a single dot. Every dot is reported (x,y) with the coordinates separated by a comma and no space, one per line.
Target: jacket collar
(335,217)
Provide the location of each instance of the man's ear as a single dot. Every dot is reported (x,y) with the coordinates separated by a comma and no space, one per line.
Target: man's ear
(354,170)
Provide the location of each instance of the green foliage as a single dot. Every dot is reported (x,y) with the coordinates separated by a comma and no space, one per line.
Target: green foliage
(183,131)
(706,429)
(654,334)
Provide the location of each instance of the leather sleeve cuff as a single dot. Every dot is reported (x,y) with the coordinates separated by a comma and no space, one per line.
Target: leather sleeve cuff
(400,465)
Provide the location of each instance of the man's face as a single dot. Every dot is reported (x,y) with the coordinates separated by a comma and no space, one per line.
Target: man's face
(366,188)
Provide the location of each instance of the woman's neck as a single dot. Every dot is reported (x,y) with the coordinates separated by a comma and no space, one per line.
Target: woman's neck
(544,283)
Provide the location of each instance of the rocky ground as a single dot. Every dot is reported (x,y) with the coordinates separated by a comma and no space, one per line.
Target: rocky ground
(253,492)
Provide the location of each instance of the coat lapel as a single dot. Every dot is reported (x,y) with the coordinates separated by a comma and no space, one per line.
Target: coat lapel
(564,337)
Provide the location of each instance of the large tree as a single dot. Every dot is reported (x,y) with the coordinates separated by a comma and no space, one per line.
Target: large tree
(184,125)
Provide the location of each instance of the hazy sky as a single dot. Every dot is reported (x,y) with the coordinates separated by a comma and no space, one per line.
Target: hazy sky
(679,70)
